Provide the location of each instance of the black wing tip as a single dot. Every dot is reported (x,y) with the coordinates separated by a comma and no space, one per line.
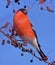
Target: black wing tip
(43,56)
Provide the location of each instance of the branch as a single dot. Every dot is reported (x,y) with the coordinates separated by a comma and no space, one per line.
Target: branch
(4,26)
(16,44)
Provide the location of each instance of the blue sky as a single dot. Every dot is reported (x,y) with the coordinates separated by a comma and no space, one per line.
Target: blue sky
(44,24)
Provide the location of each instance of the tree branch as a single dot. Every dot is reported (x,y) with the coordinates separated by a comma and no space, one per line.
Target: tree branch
(15,43)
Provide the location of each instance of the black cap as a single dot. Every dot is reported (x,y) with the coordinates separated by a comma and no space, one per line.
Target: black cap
(23,10)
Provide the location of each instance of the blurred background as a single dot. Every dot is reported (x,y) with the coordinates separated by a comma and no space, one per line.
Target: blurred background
(44,24)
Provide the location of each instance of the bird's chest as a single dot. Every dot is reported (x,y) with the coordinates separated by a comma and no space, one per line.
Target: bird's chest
(21,26)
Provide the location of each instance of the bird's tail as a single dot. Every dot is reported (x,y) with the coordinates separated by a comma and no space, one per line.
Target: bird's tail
(43,56)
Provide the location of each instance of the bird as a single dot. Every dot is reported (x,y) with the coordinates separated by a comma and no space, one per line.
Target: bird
(25,30)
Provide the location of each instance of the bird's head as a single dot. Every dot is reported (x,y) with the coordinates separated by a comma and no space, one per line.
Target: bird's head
(23,10)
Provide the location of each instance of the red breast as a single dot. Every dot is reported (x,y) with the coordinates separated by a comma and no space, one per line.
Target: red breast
(22,25)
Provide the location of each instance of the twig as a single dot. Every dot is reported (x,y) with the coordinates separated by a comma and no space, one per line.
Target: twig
(49,9)
(15,43)
(4,26)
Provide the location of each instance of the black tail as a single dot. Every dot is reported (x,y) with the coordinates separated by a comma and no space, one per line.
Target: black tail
(43,56)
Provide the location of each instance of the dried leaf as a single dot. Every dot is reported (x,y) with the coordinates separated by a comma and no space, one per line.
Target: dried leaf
(22,54)
(18,3)
(41,8)
(3,42)
(14,11)
(31,60)
(8,41)
(49,9)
